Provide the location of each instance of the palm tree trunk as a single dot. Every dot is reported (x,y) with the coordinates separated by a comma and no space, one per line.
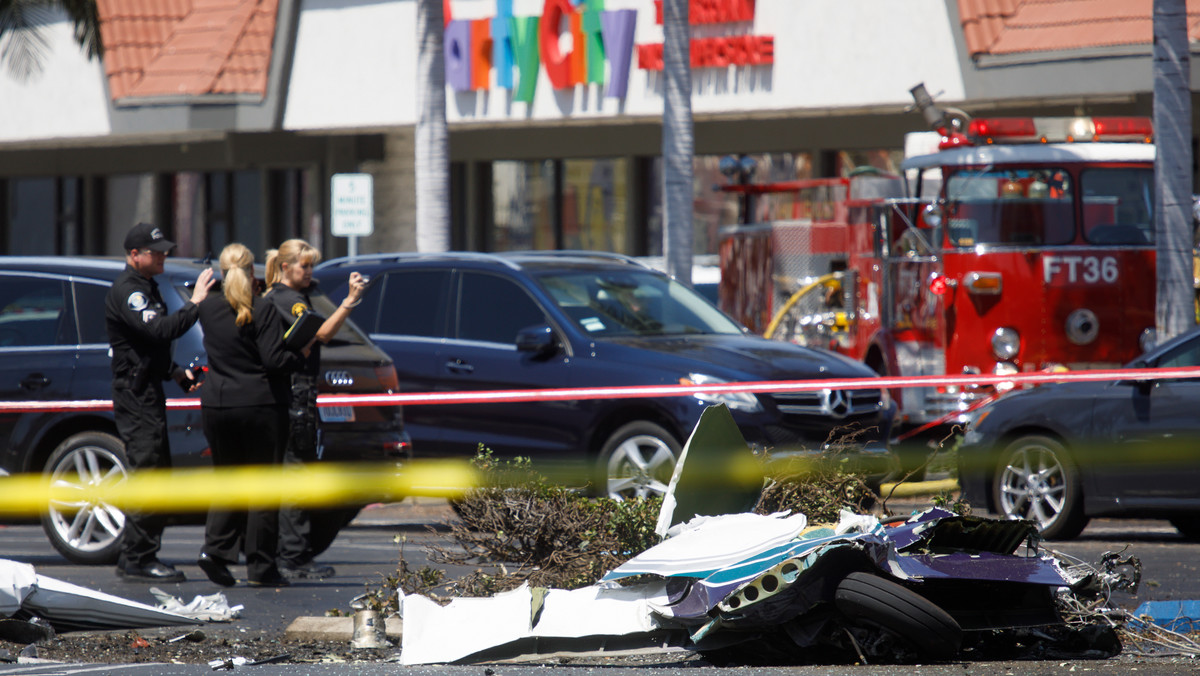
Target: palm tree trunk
(678,144)
(1174,311)
(432,161)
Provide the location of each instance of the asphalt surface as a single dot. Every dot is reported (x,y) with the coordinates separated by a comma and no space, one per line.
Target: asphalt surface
(368,550)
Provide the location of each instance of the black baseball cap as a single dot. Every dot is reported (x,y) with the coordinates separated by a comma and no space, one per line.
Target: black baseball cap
(147,236)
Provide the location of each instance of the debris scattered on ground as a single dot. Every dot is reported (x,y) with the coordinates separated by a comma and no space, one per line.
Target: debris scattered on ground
(1175,616)
(744,588)
(70,607)
(33,630)
(747,589)
(210,608)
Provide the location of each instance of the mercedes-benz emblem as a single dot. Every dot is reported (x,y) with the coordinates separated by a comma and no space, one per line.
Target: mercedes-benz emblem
(835,402)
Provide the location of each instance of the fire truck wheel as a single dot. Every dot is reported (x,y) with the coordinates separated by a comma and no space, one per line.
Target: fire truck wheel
(871,600)
(1036,480)
(638,460)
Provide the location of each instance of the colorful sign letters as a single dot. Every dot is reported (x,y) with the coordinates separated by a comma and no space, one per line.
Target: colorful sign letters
(477,48)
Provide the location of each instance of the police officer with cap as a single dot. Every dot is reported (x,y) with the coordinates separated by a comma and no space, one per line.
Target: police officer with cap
(140,332)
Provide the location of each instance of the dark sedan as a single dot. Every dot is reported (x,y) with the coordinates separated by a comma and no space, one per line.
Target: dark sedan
(54,347)
(1061,454)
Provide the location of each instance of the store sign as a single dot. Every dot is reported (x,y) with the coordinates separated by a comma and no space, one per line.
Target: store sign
(715,52)
(477,48)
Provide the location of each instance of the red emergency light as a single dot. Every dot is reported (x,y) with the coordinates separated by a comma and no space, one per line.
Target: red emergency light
(939,285)
(1124,129)
(986,131)
(1012,129)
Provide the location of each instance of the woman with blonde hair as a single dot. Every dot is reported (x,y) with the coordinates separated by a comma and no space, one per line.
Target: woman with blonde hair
(243,408)
(304,534)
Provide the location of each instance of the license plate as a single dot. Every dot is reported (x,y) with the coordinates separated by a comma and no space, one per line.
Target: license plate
(336,413)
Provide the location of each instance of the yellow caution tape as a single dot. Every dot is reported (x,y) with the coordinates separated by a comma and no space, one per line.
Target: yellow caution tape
(242,487)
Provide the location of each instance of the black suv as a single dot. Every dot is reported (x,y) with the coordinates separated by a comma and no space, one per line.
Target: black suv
(54,347)
(561,319)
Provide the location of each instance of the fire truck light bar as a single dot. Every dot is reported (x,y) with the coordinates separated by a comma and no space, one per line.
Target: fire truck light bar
(991,130)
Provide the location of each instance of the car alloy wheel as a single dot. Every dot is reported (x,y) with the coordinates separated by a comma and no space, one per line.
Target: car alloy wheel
(1035,480)
(85,529)
(638,461)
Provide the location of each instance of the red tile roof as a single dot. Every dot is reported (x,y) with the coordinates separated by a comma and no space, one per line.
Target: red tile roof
(1014,26)
(187,47)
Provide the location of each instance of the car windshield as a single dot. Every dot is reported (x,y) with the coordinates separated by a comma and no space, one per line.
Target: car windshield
(633,303)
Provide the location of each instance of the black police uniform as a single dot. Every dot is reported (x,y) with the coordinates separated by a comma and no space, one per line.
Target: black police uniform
(303,534)
(243,406)
(140,332)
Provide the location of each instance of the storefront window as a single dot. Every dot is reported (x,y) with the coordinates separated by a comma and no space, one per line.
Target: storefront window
(43,216)
(30,210)
(715,208)
(594,199)
(883,159)
(523,194)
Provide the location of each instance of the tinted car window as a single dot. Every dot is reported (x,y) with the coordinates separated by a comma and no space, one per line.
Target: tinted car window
(33,312)
(89,302)
(1187,354)
(495,309)
(414,303)
(622,303)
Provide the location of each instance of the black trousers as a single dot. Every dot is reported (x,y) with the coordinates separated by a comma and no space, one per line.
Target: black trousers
(141,417)
(244,435)
(306,533)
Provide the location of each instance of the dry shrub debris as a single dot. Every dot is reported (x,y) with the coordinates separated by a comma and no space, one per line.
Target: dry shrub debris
(520,527)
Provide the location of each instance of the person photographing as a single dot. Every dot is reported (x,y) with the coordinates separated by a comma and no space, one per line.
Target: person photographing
(304,534)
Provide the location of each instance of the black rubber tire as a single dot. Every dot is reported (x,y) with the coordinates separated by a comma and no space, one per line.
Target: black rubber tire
(1188,526)
(1053,499)
(652,444)
(87,533)
(915,619)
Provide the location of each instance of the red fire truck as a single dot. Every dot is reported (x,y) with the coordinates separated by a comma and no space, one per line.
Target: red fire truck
(1019,244)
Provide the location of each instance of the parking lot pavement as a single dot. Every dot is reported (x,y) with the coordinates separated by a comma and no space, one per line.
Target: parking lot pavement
(415,511)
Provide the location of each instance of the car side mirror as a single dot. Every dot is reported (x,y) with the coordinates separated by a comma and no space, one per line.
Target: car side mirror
(538,339)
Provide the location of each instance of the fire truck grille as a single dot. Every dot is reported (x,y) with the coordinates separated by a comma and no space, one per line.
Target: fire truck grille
(835,404)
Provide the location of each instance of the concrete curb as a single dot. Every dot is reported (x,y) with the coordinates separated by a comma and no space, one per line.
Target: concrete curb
(335,629)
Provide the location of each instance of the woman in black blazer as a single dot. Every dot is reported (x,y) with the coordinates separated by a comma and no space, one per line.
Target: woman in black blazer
(243,405)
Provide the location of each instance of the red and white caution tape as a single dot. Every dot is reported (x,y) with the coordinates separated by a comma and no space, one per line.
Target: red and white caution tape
(643,391)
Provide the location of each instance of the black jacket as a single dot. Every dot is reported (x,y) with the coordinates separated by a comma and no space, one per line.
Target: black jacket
(247,365)
(141,331)
(290,304)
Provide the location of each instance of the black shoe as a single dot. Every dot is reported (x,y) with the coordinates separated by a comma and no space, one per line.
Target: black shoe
(273,579)
(312,569)
(155,571)
(216,570)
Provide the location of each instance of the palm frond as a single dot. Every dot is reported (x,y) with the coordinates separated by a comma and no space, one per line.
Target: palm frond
(24,45)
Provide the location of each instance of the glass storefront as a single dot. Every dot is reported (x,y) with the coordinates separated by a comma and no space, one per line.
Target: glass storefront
(201,212)
(42,216)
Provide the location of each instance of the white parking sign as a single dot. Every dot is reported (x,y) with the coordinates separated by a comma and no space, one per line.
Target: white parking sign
(353,213)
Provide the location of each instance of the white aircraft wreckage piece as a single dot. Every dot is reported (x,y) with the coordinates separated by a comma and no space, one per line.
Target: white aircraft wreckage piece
(742,588)
(528,621)
(69,607)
